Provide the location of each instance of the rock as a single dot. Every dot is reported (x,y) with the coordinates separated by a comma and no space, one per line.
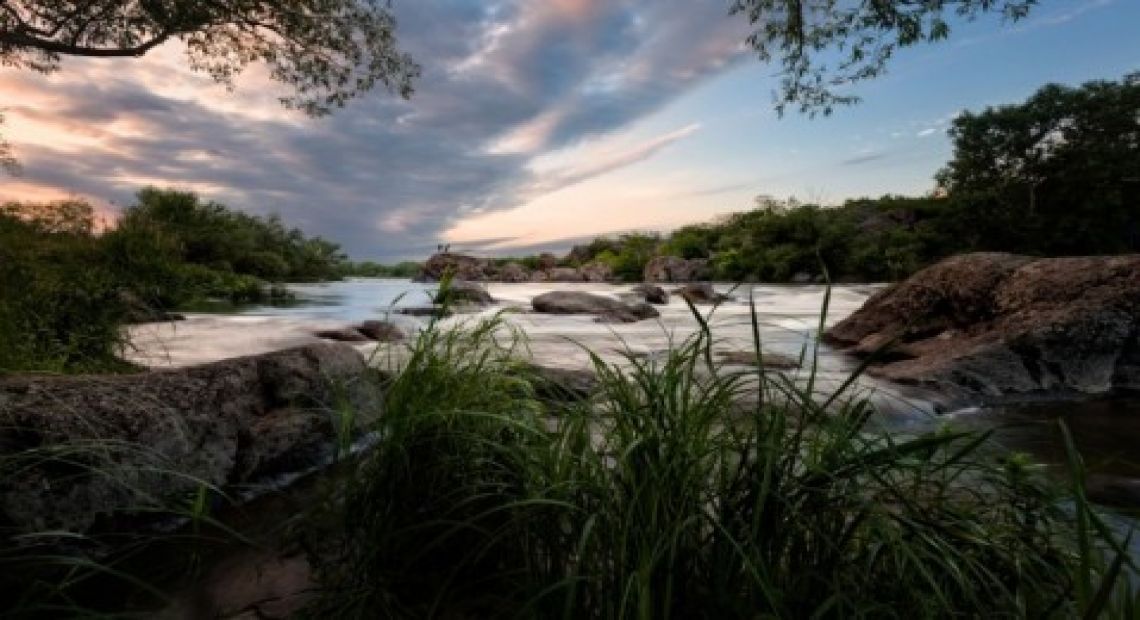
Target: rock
(774,361)
(651,293)
(994,325)
(438,312)
(539,276)
(459,266)
(564,274)
(147,441)
(597,272)
(513,273)
(381,331)
(346,334)
(461,291)
(606,308)
(563,384)
(701,293)
(675,269)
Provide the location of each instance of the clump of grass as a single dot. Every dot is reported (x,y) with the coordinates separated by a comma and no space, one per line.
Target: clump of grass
(661,497)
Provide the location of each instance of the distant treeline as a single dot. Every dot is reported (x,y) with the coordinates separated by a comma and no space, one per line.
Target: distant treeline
(1056,175)
(65,290)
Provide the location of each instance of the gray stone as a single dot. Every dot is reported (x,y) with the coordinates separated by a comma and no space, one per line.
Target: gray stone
(996,325)
(576,302)
(651,293)
(148,441)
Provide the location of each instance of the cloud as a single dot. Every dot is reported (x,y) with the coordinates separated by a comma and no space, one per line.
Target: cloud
(863,158)
(506,83)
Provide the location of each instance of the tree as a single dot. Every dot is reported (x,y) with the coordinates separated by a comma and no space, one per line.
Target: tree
(8,161)
(325,51)
(1057,174)
(862,35)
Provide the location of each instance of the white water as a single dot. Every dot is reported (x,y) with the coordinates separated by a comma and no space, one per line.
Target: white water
(789,317)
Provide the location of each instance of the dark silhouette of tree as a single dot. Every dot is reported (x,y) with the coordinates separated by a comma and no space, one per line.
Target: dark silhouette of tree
(325,51)
(824,46)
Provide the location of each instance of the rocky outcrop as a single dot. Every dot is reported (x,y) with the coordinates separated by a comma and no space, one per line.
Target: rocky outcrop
(459,266)
(563,274)
(674,269)
(473,269)
(771,361)
(597,272)
(463,292)
(368,331)
(92,447)
(513,273)
(605,308)
(650,293)
(994,325)
(701,293)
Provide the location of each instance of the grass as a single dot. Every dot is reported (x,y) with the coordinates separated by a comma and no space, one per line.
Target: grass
(678,489)
(662,497)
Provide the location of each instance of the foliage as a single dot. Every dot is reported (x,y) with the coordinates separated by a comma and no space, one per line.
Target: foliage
(1057,174)
(628,254)
(8,161)
(369,269)
(66,289)
(325,51)
(664,495)
(824,47)
(60,309)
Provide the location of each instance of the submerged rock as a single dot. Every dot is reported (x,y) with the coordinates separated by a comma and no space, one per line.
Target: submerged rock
(651,293)
(606,308)
(774,361)
(98,446)
(381,331)
(346,334)
(996,325)
(702,293)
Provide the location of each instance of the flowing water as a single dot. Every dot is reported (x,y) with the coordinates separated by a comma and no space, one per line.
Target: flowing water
(1107,431)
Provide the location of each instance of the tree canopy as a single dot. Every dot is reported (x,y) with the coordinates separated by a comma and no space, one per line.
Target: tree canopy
(1057,174)
(824,46)
(325,51)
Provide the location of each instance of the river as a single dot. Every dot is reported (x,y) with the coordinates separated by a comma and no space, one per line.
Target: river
(1106,431)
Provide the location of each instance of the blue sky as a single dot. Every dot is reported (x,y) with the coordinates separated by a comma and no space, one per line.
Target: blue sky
(539,122)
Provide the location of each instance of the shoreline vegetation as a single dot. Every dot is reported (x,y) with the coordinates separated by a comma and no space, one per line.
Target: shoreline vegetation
(673,487)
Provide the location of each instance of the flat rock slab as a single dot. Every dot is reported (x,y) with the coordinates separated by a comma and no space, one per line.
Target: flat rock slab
(605,308)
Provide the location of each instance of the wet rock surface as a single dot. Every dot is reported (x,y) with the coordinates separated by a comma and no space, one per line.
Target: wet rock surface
(99,445)
(605,308)
(999,325)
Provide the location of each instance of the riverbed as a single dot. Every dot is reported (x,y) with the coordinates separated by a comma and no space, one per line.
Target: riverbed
(1105,430)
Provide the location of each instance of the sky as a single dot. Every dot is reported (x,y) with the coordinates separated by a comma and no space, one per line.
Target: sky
(537,123)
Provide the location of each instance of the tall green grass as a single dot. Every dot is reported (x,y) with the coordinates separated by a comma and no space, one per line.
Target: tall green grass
(661,496)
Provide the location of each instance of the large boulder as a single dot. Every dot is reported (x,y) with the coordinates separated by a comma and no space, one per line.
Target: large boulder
(94,447)
(564,274)
(606,308)
(675,269)
(459,266)
(463,292)
(995,325)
